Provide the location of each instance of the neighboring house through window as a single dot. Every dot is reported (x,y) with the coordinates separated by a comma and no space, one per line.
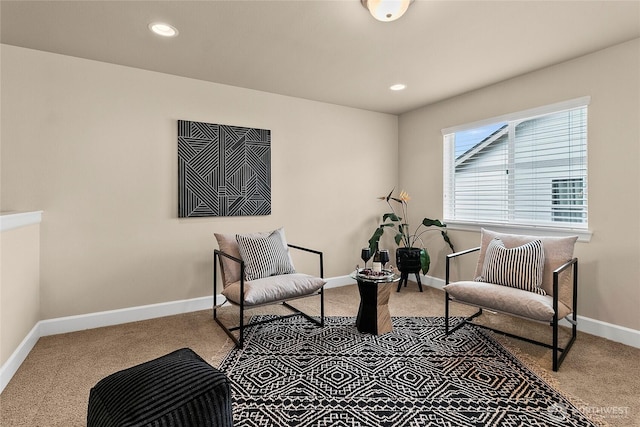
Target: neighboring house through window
(568,200)
(526,169)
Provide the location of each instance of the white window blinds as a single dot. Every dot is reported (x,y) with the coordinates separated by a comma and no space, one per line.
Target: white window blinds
(528,168)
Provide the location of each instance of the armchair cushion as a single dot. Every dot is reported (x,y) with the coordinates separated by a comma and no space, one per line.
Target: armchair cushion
(274,288)
(264,256)
(520,267)
(507,300)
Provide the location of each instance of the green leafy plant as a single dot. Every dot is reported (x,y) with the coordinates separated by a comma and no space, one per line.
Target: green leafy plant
(403,236)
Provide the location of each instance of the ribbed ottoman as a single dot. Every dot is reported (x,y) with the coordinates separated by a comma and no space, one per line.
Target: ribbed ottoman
(178,389)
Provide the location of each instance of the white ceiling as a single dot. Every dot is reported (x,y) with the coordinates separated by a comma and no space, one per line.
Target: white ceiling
(331,51)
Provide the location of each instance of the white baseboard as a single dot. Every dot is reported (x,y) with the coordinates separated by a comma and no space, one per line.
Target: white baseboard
(621,334)
(10,367)
(336,282)
(63,325)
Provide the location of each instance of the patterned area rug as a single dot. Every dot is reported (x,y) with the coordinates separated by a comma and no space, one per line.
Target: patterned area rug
(292,373)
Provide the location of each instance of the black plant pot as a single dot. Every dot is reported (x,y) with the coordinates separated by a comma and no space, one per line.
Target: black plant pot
(408,260)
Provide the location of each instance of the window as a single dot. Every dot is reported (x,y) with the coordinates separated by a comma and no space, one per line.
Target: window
(526,169)
(568,200)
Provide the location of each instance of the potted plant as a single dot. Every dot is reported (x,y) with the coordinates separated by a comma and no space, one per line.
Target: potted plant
(411,256)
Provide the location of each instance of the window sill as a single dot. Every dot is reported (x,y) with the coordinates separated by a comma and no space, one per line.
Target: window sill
(584,235)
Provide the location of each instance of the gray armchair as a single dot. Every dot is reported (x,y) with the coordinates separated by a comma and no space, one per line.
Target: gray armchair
(257,270)
(535,278)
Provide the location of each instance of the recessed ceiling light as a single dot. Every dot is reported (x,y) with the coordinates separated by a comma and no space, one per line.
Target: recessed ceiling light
(398,86)
(163,29)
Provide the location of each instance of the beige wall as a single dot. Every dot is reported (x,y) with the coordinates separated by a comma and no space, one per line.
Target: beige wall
(19,286)
(94,145)
(609,288)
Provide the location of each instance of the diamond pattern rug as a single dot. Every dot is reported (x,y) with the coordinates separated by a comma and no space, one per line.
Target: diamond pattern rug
(292,373)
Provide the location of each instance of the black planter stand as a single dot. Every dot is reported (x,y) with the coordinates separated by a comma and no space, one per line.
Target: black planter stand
(408,261)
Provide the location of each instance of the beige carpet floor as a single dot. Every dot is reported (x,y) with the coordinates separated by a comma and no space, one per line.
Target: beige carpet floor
(52,386)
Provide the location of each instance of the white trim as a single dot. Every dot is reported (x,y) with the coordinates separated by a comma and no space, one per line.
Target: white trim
(434,282)
(63,325)
(336,282)
(11,366)
(532,112)
(12,220)
(60,325)
(612,332)
(583,234)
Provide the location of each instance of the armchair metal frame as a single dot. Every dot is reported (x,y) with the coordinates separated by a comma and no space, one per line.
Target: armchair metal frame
(558,353)
(239,341)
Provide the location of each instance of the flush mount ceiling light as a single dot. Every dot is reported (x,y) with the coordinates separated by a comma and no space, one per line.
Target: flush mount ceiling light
(386,10)
(163,29)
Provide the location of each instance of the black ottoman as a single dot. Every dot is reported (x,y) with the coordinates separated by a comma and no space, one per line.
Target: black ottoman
(178,389)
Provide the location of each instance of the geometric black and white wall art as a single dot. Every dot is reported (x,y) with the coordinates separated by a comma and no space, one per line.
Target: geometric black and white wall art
(223,170)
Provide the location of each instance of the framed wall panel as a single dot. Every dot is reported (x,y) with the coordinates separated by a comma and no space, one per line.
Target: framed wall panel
(223,170)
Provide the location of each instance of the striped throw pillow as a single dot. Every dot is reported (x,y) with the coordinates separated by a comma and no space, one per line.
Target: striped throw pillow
(520,267)
(264,256)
